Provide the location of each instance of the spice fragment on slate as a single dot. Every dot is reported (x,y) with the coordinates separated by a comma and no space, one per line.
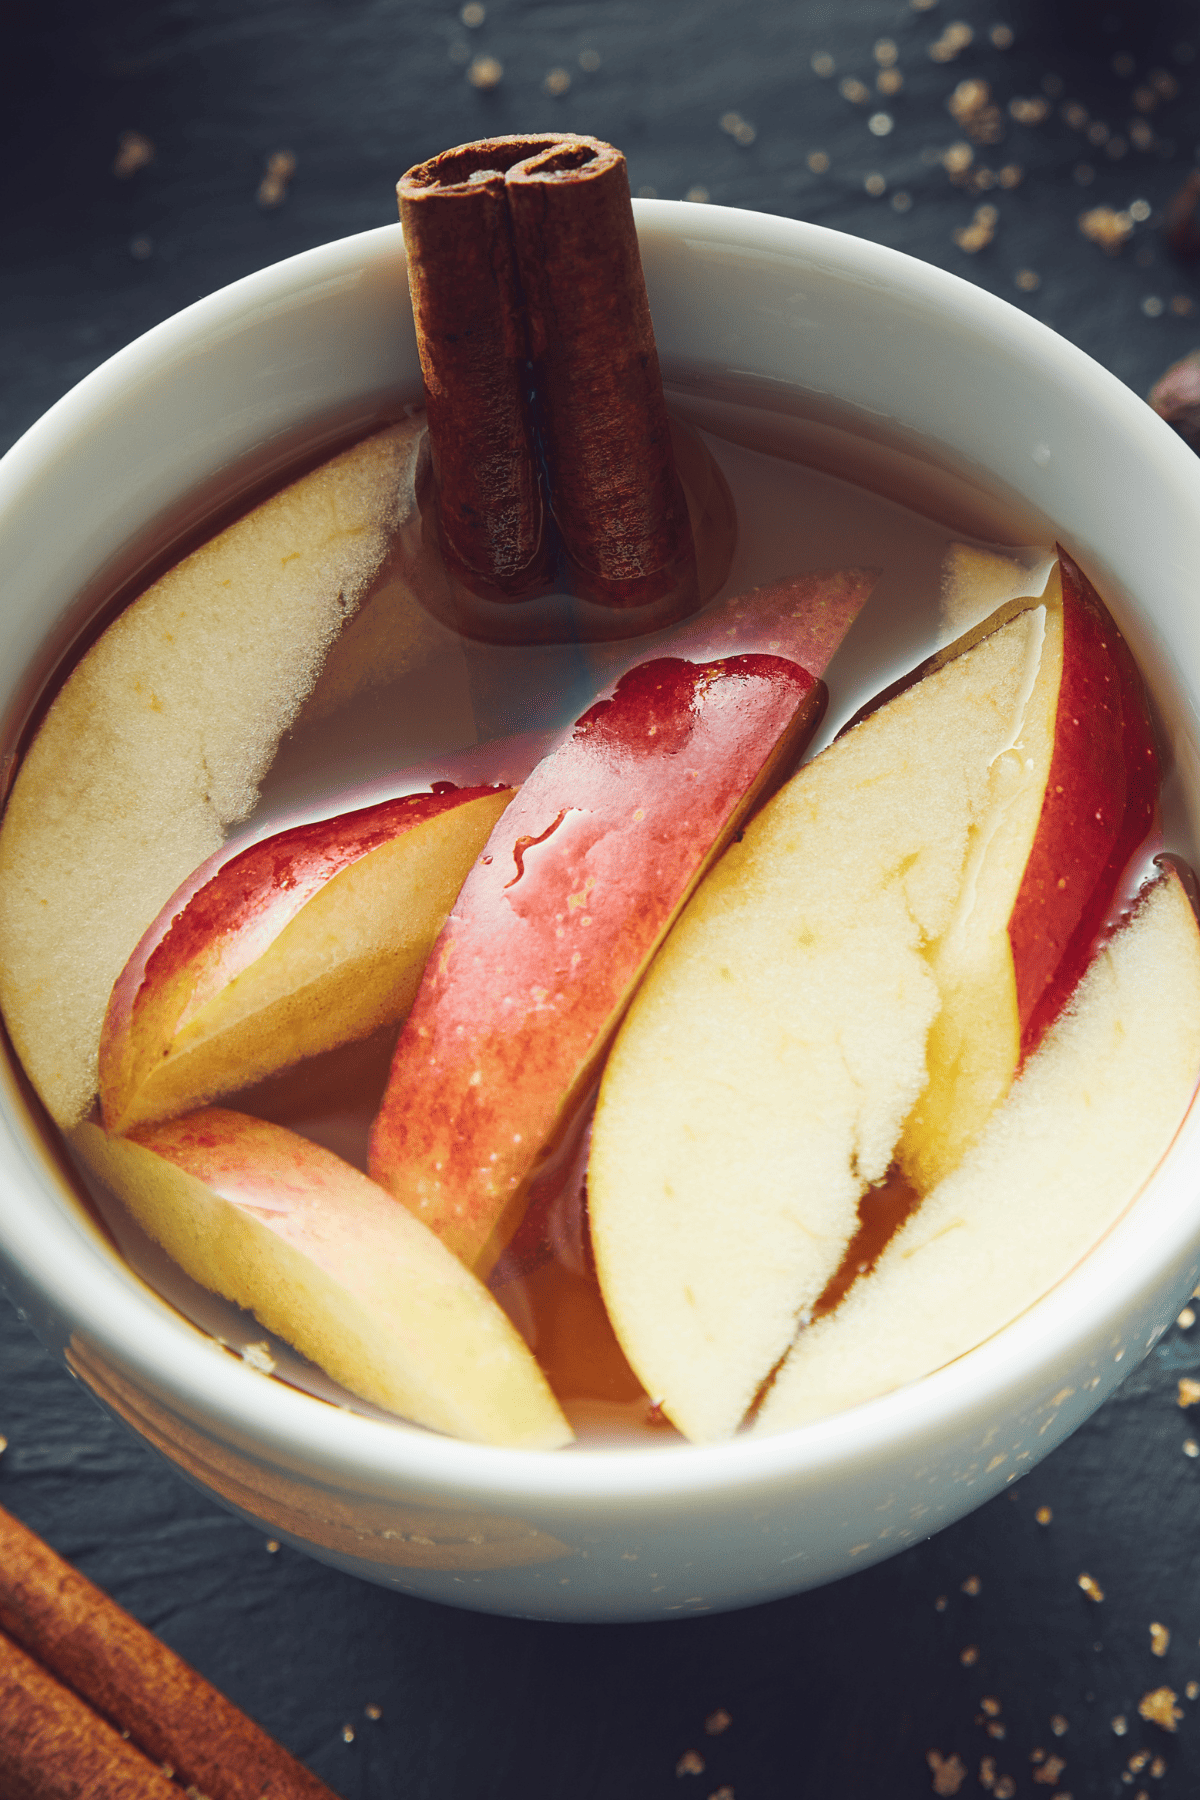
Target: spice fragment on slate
(949,1772)
(1158,1706)
(1091,1587)
(1160,1639)
(690,1763)
(717,1722)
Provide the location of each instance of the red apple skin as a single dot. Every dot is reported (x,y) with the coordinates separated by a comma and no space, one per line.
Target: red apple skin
(803,617)
(1103,745)
(206,935)
(577,886)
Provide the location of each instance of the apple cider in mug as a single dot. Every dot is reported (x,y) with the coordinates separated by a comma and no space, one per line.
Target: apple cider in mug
(620,937)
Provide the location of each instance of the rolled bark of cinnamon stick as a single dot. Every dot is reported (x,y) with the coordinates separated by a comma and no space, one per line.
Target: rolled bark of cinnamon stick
(471,335)
(90,1645)
(615,492)
(525,274)
(54,1747)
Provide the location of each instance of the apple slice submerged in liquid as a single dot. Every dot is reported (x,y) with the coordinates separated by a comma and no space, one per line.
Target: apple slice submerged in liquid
(305,941)
(329,1262)
(1082,1129)
(574,892)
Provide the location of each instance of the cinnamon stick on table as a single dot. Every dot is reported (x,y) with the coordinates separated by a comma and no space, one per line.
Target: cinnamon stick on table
(538,355)
(86,1643)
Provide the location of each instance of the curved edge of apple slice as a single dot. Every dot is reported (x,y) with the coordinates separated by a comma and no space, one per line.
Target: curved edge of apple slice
(327,1261)
(1082,1130)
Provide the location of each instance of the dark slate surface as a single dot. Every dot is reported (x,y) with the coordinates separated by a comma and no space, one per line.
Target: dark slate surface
(842,1692)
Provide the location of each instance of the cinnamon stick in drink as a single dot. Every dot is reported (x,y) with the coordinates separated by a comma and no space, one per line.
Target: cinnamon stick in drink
(473,344)
(173,1716)
(526,247)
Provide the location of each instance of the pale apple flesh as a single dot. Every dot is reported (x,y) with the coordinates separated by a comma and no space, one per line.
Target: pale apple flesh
(307,940)
(159,737)
(557,921)
(1081,1131)
(1073,797)
(329,1262)
(777,1044)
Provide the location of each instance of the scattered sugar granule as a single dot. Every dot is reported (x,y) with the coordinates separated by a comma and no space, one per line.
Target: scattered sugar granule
(857,92)
(818,161)
(717,1722)
(980,232)
(259,1357)
(939,1604)
(1158,1706)
(972,1585)
(1192,1690)
(473,15)
(823,65)
(371,1709)
(1028,280)
(1002,37)
(1160,1638)
(997,1730)
(557,81)
(1050,1770)
(991,1706)
(1158,1768)
(1104,226)
(1138,1761)
(889,81)
(1189,1391)
(1091,1587)
(697,194)
(1120,1725)
(739,129)
(953,40)
(949,1772)
(1059,1725)
(1010,176)
(1044,1514)
(969,1655)
(3,1445)
(722,1793)
(347,1734)
(886,52)
(272,1546)
(1005,1788)
(957,160)
(690,1763)
(880,124)
(875,184)
(901,201)
(1029,111)
(1152,306)
(134,151)
(1191,1447)
(272,189)
(987,1773)
(485,72)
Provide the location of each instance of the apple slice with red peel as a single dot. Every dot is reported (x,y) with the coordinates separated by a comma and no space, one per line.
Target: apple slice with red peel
(1082,1129)
(306,940)
(326,1260)
(776,1046)
(574,892)
(1074,797)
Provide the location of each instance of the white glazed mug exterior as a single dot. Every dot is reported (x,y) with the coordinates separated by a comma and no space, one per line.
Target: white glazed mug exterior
(888,359)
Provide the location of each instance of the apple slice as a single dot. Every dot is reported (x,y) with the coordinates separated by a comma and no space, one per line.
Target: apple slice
(1074,796)
(803,617)
(1082,1129)
(327,1261)
(307,940)
(556,922)
(159,737)
(768,1063)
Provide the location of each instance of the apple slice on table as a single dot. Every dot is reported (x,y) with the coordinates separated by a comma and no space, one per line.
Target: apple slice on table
(1080,1132)
(1074,797)
(575,890)
(158,740)
(305,941)
(765,1071)
(329,1262)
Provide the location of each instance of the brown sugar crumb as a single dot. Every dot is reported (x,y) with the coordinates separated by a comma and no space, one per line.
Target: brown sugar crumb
(991,1706)
(1059,1725)
(969,1655)
(939,1604)
(690,1763)
(133,153)
(272,1546)
(1091,1587)
(485,72)
(818,161)
(957,161)
(347,1734)
(717,1722)
(1138,1761)
(1050,1770)
(372,1711)
(1192,1690)
(1158,1768)
(1043,1515)
(1029,112)
(949,1772)
(953,40)
(1029,281)
(1104,226)
(987,1773)
(970,105)
(1005,1788)
(996,1729)
(1158,1706)
(1160,1638)
(557,82)
(722,1793)
(1189,1391)
(972,1585)
(980,232)
(1120,1725)
(272,191)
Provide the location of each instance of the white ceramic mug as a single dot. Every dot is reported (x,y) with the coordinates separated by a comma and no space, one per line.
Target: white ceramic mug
(908,378)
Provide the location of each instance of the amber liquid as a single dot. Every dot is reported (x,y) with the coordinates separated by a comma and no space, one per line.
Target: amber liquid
(477,711)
